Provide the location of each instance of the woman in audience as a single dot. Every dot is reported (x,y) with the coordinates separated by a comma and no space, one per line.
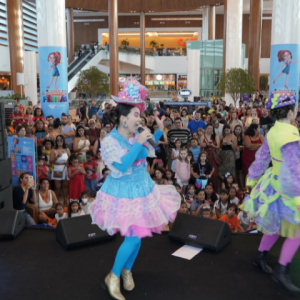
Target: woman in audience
(249,119)
(252,142)
(97,145)
(234,121)
(59,158)
(57,127)
(242,114)
(46,203)
(222,111)
(229,146)
(240,177)
(210,143)
(162,143)
(81,143)
(160,177)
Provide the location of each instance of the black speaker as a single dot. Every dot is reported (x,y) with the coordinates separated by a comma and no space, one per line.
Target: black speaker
(196,98)
(11,224)
(200,232)
(6,199)
(79,231)
(5,174)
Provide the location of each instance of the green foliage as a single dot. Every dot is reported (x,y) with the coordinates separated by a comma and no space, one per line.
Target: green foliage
(263,82)
(154,44)
(125,42)
(92,81)
(13,96)
(235,82)
(76,47)
(162,45)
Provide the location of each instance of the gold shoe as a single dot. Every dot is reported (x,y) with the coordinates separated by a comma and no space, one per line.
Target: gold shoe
(128,283)
(112,285)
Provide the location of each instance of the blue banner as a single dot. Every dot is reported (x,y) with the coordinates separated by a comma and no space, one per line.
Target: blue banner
(53,66)
(284,70)
(22,154)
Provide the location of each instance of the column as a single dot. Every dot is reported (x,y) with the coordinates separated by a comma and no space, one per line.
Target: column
(212,23)
(285,48)
(30,76)
(142,47)
(205,21)
(193,71)
(16,42)
(255,27)
(70,34)
(232,47)
(53,63)
(113,46)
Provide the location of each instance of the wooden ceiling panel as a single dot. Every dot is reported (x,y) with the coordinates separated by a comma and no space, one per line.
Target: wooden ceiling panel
(128,6)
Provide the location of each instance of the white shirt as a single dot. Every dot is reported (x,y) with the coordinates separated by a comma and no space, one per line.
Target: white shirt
(219,130)
(86,208)
(244,219)
(223,207)
(64,216)
(235,200)
(78,214)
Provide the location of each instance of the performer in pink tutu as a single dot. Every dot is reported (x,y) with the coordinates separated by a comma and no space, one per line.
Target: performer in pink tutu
(129,201)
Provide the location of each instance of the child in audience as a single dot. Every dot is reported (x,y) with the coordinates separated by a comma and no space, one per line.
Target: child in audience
(90,167)
(183,208)
(198,204)
(38,115)
(175,154)
(190,195)
(195,148)
(60,214)
(75,209)
(191,157)
(233,196)
(178,188)
(238,192)
(170,176)
(183,169)
(42,171)
(202,170)
(48,147)
(245,221)
(200,132)
(100,165)
(157,163)
(227,182)
(159,177)
(86,198)
(222,204)
(231,219)
(207,212)
(210,196)
(75,173)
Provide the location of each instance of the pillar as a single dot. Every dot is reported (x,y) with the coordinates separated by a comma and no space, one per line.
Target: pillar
(193,71)
(255,27)
(232,47)
(113,46)
(16,42)
(212,23)
(70,34)
(53,63)
(142,47)
(205,21)
(30,76)
(285,48)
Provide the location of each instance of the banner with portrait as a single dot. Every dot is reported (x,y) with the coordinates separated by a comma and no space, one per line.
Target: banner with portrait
(53,67)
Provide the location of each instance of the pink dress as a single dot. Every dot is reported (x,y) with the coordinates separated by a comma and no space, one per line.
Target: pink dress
(182,168)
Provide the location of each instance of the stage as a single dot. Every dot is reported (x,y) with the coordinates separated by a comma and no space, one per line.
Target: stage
(35,266)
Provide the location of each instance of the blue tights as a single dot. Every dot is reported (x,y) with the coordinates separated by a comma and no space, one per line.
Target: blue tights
(126,254)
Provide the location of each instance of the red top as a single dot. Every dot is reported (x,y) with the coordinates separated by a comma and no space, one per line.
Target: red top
(248,156)
(89,174)
(42,175)
(15,122)
(232,222)
(39,117)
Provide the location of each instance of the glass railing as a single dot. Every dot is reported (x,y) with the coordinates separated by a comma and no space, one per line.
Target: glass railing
(152,52)
(161,94)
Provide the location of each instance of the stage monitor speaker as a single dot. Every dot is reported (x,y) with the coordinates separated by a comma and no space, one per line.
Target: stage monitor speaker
(11,224)
(79,231)
(5,174)
(6,199)
(200,232)
(196,98)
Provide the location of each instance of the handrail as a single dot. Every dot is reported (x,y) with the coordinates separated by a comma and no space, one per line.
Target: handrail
(81,60)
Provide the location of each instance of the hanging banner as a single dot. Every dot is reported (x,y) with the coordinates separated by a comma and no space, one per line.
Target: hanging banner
(53,69)
(21,152)
(284,70)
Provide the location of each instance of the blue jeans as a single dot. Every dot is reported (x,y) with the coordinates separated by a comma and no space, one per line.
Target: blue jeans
(91,185)
(28,219)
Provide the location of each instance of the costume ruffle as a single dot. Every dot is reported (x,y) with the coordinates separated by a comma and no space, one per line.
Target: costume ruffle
(140,216)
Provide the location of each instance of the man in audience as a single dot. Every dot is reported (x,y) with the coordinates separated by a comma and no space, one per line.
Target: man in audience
(93,132)
(258,111)
(220,119)
(67,131)
(105,173)
(218,127)
(194,125)
(150,123)
(92,110)
(49,119)
(177,132)
(107,127)
(265,119)
(70,123)
(149,106)
(105,113)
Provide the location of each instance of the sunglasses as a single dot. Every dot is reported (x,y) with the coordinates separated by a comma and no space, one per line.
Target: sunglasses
(59,140)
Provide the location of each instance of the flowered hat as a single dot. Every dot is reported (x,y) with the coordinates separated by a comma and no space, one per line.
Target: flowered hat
(276,101)
(133,93)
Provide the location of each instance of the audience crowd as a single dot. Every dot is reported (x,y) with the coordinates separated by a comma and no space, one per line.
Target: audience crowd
(205,153)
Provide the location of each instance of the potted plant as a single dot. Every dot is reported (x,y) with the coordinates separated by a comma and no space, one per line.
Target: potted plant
(154,45)
(124,44)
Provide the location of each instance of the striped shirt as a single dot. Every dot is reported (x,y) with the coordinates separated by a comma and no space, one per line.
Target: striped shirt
(196,151)
(182,133)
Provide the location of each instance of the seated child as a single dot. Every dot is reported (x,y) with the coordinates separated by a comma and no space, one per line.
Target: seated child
(233,196)
(60,214)
(210,196)
(245,221)
(207,212)
(231,219)
(86,198)
(75,209)
(183,208)
(222,204)
(190,196)
(198,203)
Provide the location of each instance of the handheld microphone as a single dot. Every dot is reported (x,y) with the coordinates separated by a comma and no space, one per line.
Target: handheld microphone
(150,141)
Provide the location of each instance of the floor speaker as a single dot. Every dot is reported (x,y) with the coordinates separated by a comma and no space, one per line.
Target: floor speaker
(11,224)
(200,232)
(6,173)
(79,231)
(6,199)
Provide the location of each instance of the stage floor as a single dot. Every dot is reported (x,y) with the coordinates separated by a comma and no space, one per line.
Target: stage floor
(35,266)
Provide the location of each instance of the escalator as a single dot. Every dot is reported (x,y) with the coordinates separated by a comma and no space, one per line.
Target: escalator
(79,63)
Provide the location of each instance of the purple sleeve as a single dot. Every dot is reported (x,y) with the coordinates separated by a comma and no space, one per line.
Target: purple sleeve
(289,172)
(261,163)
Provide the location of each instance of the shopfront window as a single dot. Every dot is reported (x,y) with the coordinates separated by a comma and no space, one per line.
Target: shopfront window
(182,82)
